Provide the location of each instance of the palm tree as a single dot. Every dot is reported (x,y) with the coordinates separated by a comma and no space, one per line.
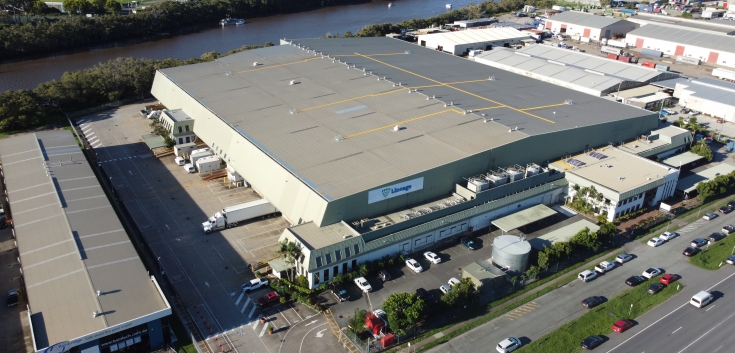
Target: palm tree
(290,252)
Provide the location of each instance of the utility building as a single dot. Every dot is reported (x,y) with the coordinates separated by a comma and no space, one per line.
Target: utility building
(374,146)
(460,42)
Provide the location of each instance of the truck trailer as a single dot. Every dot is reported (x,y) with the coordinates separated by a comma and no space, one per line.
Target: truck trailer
(208,164)
(198,154)
(723,74)
(184,150)
(230,216)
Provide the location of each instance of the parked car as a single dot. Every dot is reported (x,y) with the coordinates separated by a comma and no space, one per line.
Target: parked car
(709,216)
(694,112)
(587,275)
(623,258)
(634,280)
(652,272)
(592,342)
(730,259)
(655,241)
(384,275)
(445,288)
(621,326)
(423,294)
(731,203)
(414,265)
(190,168)
(592,302)
(728,229)
(715,237)
(508,345)
(655,288)
(725,209)
(668,235)
(180,161)
(698,243)
(363,284)
(454,281)
(12,298)
(254,284)
(604,266)
(690,251)
(434,258)
(340,293)
(269,299)
(469,243)
(667,279)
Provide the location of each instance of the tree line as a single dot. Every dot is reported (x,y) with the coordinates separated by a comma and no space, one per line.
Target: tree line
(26,30)
(117,79)
(583,240)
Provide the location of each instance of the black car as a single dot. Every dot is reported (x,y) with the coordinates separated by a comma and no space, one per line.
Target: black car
(655,288)
(698,243)
(690,251)
(423,294)
(731,203)
(11,299)
(714,237)
(728,229)
(592,302)
(634,281)
(469,243)
(592,342)
(726,209)
(340,293)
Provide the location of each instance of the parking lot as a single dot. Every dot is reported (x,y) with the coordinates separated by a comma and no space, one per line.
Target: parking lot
(168,206)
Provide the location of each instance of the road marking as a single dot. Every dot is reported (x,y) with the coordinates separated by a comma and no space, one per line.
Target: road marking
(311,323)
(665,316)
(251,311)
(700,337)
(167,227)
(320,333)
(676,330)
(245,306)
(206,284)
(254,324)
(302,340)
(710,307)
(242,294)
(262,332)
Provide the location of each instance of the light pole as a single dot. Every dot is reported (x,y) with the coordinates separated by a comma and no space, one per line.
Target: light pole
(630,310)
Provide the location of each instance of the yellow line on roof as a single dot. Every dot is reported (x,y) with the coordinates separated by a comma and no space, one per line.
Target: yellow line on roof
(400,122)
(544,106)
(351,99)
(455,88)
(387,54)
(275,66)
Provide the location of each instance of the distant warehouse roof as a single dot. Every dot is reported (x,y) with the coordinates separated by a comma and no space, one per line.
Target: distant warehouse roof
(584,19)
(478,35)
(686,37)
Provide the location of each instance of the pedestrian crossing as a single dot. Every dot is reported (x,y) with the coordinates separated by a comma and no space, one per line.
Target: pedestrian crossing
(522,310)
(89,134)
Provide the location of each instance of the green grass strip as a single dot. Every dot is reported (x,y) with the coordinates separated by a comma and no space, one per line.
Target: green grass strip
(598,321)
(714,255)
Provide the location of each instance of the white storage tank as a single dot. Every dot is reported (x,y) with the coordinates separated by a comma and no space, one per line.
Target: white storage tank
(511,252)
(477,185)
(497,179)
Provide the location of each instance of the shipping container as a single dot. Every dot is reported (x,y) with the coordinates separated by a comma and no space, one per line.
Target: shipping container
(611,50)
(687,60)
(649,64)
(723,74)
(617,43)
(660,67)
(612,56)
(624,59)
(653,53)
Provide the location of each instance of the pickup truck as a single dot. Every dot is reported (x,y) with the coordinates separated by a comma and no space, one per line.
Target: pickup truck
(604,266)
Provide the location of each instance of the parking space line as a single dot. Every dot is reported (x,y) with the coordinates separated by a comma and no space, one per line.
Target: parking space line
(251,311)
(284,316)
(242,294)
(262,332)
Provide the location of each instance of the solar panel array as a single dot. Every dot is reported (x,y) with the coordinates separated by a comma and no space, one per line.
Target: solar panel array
(597,155)
(575,162)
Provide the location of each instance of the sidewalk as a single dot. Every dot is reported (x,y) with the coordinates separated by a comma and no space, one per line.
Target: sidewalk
(557,282)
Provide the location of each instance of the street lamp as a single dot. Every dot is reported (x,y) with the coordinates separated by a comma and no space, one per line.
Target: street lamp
(631,309)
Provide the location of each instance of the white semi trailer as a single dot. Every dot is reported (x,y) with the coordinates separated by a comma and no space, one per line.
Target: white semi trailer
(723,74)
(232,215)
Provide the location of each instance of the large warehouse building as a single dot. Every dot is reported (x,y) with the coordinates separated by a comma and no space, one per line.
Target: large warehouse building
(588,25)
(707,47)
(366,145)
(581,72)
(87,289)
(715,98)
(460,42)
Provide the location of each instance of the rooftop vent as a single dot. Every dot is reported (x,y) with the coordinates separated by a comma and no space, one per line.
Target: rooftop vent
(346,236)
(99,292)
(491,78)
(228,72)
(292,82)
(568,102)
(408,52)
(338,138)
(95,314)
(397,128)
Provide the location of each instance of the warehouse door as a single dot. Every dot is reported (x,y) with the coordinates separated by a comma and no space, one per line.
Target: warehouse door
(713,57)
(639,42)
(548,24)
(586,33)
(679,50)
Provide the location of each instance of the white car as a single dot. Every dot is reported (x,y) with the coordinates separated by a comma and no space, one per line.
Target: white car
(254,284)
(604,266)
(445,288)
(623,258)
(414,265)
(668,236)
(453,281)
(508,345)
(652,272)
(363,284)
(587,275)
(190,168)
(655,241)
(434,258)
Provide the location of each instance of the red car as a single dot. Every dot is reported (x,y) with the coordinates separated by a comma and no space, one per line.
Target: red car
(268,299)
(621,326)
(667,279)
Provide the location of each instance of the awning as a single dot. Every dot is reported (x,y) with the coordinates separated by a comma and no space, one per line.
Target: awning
(522,218)
(153,141)
(280,265)
(562,234)
(682,159)
(689,183)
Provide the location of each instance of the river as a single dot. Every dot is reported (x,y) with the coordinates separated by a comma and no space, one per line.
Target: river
(27,74)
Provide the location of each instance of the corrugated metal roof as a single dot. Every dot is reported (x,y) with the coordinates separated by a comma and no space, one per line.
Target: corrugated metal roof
(689,183)
(712,90)
(471,36)
(686,37)
(584,19)
(682,159)
(562,234)
(71,242)
(522,218)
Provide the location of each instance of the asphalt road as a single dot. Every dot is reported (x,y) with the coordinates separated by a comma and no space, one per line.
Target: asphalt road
(546,313)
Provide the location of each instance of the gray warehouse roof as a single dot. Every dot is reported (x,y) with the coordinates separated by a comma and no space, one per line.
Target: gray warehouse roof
(71,243)
(472,36)
(724,27)
(334,126)
(712,90)
(584,19)
(689,183)
(686,37)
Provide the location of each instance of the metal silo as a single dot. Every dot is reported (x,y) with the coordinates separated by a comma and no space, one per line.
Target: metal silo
(511,252)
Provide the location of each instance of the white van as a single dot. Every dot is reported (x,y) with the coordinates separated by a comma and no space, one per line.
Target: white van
(190,168)
(701,299)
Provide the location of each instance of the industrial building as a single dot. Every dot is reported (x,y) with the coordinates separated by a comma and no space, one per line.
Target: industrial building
(626,182)
(581,72)
(87,289)
(648,97)
(563,232)
(707,47)
(480,22)
(179,124)
(714,26)
(375,146)
(660,143)
(461,42)
(687,186)
(712,97)
(588,25)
